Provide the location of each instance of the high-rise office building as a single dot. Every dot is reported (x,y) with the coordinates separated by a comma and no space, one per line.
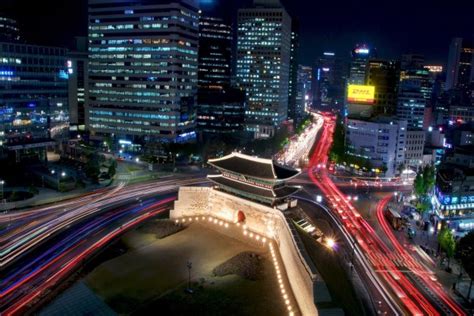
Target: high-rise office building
(359,64)
(33,98)
(412,61)
(294,69)
(143,69)
(381,141)
(263,64)
(78,69)
(304,95)
(9,31)
(384,75)
(329,82)
(221,111)
(220,107)
(411,107)
(415,91)
(460,71)
(215,53)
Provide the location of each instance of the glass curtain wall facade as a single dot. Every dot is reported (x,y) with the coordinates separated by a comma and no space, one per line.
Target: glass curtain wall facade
(33,93)
(215,53)
(143,61)
(263,64)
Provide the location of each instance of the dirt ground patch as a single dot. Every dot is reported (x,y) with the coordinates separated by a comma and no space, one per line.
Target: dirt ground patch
(154,275)
(247,265)
(161,228)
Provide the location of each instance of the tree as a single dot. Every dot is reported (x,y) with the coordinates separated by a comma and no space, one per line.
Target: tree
(447,243)
(465,252)
(423,205)
(92,168)
(418,185)
(112,168)
(429,178)
(338,146)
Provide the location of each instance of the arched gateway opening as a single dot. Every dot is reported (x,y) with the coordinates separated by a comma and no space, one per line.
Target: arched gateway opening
(240,217)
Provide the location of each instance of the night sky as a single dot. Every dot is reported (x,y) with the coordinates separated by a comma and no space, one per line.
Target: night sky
(393,27)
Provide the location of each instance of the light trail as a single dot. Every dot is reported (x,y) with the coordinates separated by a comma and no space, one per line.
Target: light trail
(61,265)
(424,273)
(17,243)
(373,248)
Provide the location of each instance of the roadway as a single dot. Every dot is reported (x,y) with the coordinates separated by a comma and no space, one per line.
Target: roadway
(397,291)
(44,246)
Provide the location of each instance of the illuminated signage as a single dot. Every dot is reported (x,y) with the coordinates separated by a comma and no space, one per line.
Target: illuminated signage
(361,94)
(362,51)
(124,142)
(434,68)
(329,54)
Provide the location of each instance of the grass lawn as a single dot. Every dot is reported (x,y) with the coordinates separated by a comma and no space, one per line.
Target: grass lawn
(152,276)
(340,287)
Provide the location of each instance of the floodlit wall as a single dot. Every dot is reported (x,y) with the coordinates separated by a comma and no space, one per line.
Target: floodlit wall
(260,219)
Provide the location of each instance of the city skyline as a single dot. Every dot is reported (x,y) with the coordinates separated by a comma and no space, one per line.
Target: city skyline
(245,157)
(325,26)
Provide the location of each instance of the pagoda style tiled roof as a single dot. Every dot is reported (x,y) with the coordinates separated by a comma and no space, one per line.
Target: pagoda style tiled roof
(272,194)
(253,167)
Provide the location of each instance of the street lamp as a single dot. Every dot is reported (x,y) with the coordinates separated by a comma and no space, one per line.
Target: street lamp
(189,265)
(330,243)
(62,174)
(2,183)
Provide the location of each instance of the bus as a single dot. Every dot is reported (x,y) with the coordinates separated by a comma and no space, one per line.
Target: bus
(394,218)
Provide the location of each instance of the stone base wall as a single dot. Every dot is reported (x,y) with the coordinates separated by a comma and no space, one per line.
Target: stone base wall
(260,219)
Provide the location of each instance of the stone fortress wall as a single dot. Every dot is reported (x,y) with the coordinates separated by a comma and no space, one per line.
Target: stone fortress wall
(262,220)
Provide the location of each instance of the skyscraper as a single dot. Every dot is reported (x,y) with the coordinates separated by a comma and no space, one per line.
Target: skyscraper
(143,61)
(33,97)
(215,53)
(78,69)
(329,80)
(9,31)
(358,69)
(294,69)
(220,107)
(460,71)
(384,75)
(304,95)
(263,64)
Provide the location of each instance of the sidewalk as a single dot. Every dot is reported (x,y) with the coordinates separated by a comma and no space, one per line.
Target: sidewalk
(428,242)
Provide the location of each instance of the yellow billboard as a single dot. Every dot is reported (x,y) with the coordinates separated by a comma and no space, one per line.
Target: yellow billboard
(361,94)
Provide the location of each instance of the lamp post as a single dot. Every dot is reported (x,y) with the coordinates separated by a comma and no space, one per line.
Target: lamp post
(189,265)
(2,183)
(62,174)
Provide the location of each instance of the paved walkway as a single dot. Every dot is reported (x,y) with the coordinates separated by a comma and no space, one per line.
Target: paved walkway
(78,300)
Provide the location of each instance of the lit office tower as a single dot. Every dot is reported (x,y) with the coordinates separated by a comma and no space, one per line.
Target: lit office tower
(220,107)
(304,95)
(263,59)
(78,68)
(413,105)
(415,90)
(215,52)
(143,60)
(460,70)
(358,69)
(384,75)
(9,31)
(329,82)
(294,69)
(33,98)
